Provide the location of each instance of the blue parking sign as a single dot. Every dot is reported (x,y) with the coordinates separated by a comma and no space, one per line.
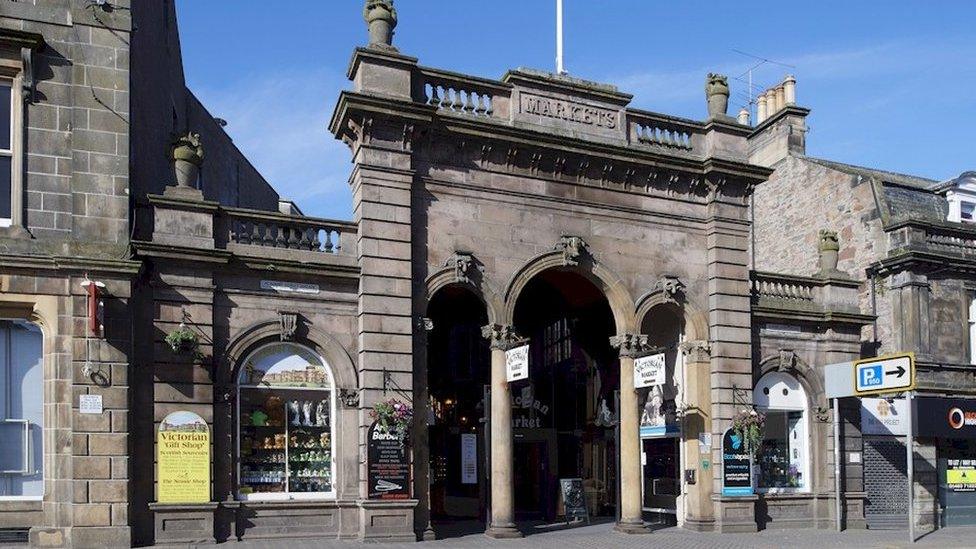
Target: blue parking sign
(886,374)
(871,376)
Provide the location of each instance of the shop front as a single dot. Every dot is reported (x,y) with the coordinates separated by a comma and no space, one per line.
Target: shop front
(951,422)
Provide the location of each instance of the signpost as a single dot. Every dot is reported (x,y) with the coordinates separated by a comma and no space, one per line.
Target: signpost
(388,466)
(574,499)
(871,377)
(649,371)
(887,374)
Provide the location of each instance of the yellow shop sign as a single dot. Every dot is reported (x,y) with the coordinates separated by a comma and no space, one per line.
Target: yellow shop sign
(183,459)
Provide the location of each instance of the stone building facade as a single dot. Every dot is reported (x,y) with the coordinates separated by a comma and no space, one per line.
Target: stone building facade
(906,244)
(535,211)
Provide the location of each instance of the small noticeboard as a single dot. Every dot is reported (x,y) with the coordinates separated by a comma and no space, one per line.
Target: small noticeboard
(884,374)
(649,371)
(574,498)
(517,363)
(388,466)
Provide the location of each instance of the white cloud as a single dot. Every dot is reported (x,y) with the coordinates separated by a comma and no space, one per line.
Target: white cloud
(279,121)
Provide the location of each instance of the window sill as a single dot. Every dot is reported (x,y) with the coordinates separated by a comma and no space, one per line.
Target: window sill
(287,498)
(15,231)
(21,504)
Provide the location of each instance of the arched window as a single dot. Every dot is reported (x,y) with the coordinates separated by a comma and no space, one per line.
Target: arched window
(286,418)
(784,457)
(21,410)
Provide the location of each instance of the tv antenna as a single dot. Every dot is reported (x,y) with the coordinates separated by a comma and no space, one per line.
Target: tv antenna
(752,91)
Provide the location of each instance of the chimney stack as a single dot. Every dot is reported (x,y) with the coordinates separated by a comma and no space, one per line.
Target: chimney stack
(775,99)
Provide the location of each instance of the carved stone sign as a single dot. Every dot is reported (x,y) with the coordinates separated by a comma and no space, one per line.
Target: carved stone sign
(570,111)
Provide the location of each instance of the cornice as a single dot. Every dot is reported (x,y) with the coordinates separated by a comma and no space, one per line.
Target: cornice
(70,264)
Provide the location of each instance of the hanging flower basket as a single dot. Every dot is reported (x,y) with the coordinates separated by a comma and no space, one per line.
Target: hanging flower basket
(394,416)
(183,340)
(750,425)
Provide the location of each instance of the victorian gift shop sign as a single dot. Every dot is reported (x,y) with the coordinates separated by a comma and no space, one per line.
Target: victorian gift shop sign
(183,459)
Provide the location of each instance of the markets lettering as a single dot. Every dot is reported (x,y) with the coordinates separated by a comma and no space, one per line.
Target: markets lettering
(568,111)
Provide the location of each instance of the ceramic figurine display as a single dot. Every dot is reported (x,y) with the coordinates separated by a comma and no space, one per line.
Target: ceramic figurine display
(296,418)
(307,413)
(322,414)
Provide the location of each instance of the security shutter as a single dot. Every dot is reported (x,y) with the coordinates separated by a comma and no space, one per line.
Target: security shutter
(886,483)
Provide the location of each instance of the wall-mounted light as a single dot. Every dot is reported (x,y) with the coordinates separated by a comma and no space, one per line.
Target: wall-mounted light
(96,306)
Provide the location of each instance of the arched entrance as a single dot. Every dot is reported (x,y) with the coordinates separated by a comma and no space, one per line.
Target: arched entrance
(660,428)
(564,414)
(458,375)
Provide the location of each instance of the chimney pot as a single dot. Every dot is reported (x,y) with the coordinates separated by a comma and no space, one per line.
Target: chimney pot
(761,108)
(743,116)
(789,87)
(780,98)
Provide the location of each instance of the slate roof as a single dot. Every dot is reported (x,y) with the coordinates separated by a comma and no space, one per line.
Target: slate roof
(900,196)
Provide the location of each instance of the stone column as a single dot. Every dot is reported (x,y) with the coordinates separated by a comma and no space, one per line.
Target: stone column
(630,454)
(501,338)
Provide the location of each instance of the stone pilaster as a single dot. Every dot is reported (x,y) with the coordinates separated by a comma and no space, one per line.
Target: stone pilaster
(697,420)
(730,332)
(630,346)
(501,338)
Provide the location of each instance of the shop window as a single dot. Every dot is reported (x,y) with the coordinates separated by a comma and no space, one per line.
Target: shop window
(286,414)
(21,411)
(783,460)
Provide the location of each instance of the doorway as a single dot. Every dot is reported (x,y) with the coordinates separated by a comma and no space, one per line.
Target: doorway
(662,483)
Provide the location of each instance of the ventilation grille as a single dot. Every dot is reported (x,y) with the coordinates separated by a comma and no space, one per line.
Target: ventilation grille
(13,535)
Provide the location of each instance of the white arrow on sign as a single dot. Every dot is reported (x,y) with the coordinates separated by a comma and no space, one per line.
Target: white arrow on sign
(886,374)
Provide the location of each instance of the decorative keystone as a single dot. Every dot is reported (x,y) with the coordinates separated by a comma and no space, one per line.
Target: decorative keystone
(573,248)
(463,263)
(287,324)
(671,288)
(381,19)
(717,94)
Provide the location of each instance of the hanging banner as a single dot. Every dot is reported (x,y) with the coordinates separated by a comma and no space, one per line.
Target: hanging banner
(517,363)
(183,459)
(649,371)
(469,458)
(736,466)
(388,465)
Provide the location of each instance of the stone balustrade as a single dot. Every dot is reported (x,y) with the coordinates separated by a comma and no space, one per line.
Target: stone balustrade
(775,286)
(274,230)
(661,131)
(951,240)
(464,95)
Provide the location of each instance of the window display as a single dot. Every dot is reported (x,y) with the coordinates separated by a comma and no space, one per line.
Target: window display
(286,425)
(782,463)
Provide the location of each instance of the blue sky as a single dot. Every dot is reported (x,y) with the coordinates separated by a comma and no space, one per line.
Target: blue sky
(892,84)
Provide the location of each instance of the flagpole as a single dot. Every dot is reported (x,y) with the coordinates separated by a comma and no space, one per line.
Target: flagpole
(559,38)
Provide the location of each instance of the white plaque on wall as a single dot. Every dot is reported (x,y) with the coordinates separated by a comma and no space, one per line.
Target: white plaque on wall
(90,404)
(649,371)
(517,363)
(880,416)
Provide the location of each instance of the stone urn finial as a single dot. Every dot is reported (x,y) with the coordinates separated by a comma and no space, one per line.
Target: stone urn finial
(717,94)
(381,18)
(186,152)
(829,246)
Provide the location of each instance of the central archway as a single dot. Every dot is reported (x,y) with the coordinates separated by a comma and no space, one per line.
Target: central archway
(563,415)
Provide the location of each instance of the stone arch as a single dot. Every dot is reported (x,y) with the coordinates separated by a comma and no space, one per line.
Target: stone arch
(268,331)
(451,275)
(790,362)
(695,318)
(569,255)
